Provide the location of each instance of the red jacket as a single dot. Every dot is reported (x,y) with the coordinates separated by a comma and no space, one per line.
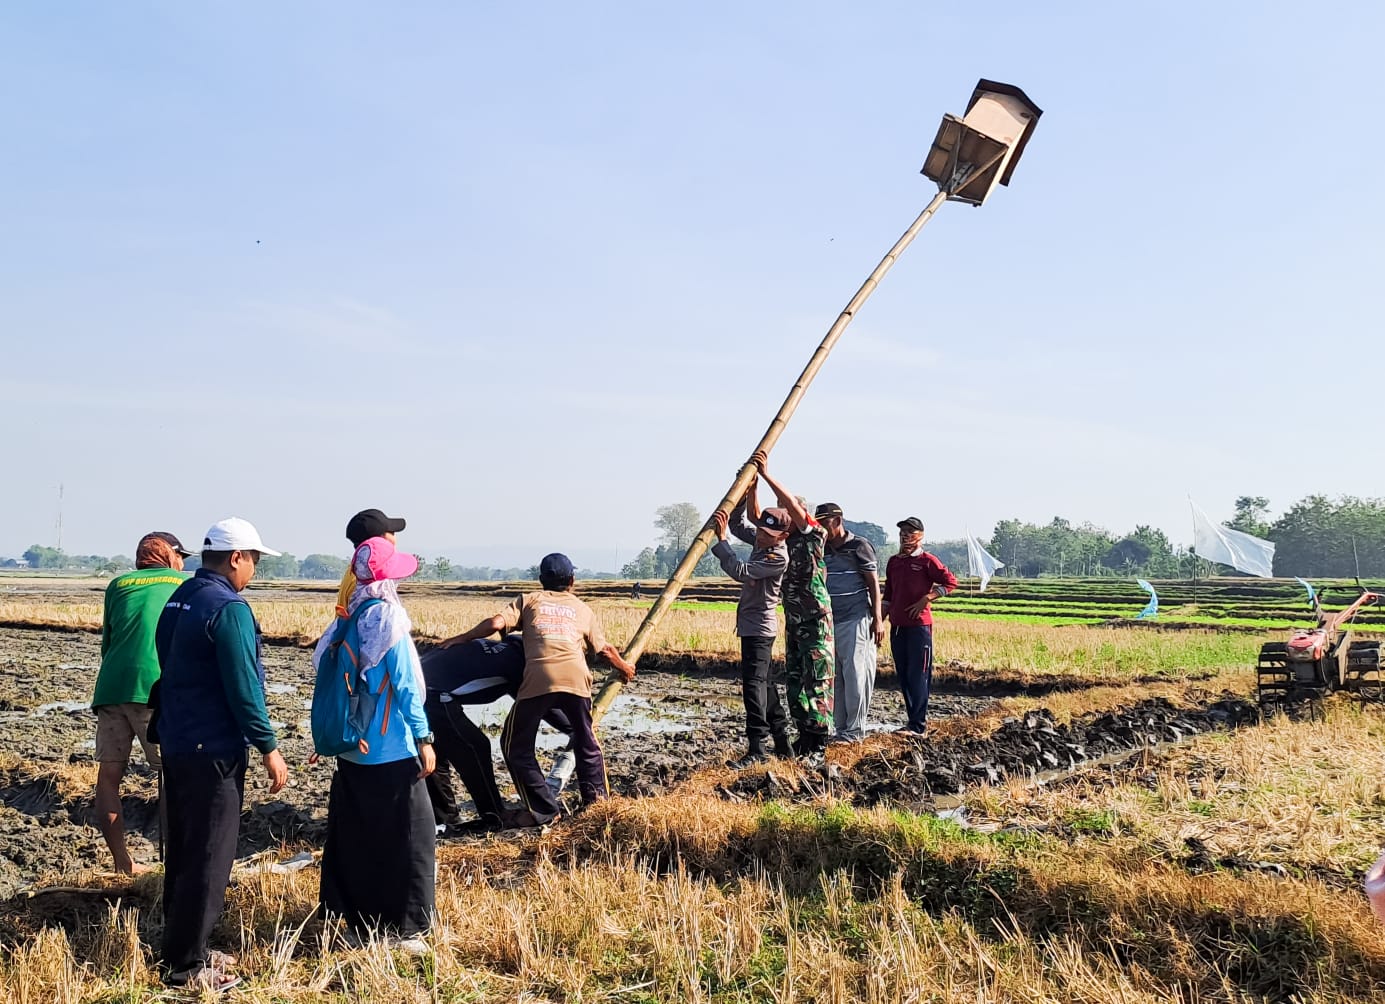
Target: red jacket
(910,578)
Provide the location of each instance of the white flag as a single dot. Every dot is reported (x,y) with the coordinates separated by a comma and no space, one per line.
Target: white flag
(980,562)
(1226,546)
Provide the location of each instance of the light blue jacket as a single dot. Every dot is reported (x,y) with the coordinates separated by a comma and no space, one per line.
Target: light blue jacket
(399,717)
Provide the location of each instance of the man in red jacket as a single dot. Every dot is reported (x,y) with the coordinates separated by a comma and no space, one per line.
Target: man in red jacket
(913,580)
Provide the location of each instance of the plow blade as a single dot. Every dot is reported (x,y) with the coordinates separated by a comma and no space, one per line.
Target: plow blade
(1365,676)
(1274,676)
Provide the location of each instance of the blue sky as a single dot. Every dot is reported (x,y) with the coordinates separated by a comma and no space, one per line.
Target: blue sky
(525,273)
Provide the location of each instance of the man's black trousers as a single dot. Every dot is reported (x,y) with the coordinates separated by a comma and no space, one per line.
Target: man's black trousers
(764,711)
(517,745)
(204,796)
(912,649)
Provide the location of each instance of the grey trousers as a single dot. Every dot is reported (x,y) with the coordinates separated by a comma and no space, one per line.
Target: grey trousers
(856,655)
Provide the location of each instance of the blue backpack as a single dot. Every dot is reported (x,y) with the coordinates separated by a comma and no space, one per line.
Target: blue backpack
(342,707)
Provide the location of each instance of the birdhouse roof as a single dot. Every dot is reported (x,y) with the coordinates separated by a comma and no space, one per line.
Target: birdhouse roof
(995,87)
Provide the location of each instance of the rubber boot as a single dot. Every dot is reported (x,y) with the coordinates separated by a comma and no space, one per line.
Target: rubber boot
(783,749)
(754,755)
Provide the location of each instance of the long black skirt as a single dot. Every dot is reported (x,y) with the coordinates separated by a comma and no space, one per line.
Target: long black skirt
(377,864)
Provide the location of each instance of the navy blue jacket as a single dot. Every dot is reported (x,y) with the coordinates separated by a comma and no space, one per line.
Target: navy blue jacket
(211,691)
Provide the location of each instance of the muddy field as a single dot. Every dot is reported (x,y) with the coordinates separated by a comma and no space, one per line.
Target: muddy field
(671,722)
(680,717)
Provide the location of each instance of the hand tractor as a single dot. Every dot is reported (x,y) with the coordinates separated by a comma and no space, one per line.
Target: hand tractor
(1317,661)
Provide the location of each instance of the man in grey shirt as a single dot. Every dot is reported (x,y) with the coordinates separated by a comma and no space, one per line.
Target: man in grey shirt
(853,583)
(756,621)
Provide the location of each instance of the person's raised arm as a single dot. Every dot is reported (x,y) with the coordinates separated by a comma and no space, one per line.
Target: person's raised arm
(752,499)
(742,522)
(483,629)
(800,516)
(768,565)
(497,624)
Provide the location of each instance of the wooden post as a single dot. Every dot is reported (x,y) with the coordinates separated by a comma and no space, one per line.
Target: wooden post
(636,646)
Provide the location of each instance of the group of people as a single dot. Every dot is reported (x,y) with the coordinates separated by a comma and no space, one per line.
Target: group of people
(182,672)
(835,609)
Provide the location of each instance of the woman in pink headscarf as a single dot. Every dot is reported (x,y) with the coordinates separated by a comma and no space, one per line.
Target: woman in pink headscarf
(378,862)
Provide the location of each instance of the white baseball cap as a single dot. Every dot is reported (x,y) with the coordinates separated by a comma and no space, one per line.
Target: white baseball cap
(235,534)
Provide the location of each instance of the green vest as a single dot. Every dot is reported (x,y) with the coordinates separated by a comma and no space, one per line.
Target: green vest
(129,664)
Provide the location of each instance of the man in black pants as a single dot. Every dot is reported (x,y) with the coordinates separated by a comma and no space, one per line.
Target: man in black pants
(760,577)
(560,631)
(476,673)
(210,706)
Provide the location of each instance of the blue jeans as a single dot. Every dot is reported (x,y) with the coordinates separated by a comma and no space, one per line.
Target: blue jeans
(912,648)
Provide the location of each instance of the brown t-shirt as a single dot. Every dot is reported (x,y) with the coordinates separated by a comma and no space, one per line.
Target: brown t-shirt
(559,633)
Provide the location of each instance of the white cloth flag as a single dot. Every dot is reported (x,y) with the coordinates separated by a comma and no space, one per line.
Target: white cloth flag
(980,562)
(1226,546)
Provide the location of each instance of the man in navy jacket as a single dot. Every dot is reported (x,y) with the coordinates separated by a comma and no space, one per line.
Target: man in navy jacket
(211,706)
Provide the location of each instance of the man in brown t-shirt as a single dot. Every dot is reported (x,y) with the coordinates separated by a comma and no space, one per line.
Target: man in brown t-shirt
(560,631)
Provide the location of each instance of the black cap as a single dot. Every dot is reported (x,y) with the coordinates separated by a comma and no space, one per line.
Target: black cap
(828,509)
(556,566)
(912,523)
(149,553)
(371,523)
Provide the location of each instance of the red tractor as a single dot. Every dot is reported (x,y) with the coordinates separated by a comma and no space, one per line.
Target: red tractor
(1319,660)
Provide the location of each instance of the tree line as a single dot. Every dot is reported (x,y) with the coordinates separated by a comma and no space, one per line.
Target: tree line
(1316,536)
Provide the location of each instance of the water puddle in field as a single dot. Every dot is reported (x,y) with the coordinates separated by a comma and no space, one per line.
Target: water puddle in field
(63,707)
(629,715)
(281,688)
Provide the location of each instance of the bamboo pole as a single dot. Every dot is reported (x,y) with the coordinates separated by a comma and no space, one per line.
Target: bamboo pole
(636,646)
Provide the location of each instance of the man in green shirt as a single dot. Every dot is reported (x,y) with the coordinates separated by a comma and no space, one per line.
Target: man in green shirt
(129,667)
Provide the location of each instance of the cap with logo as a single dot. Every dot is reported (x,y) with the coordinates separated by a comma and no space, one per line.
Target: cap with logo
(775,521)
(371,523)
(912,523)
(376,558)
(235,534)
(827,509)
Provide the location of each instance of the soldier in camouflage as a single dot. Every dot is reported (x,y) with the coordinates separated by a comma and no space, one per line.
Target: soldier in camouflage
(809,654)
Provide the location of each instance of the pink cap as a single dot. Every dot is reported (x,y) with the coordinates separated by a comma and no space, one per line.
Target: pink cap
(377,559)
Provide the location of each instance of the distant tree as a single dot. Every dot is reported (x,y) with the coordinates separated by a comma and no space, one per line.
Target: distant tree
(872,532)
(707,566)
(678,523)
(1321,536)
(1252,512)
(1126,555)
(952,553)
(442,568)
(322,566)
(641,566)
(122,562)
(39,556)
(284,566)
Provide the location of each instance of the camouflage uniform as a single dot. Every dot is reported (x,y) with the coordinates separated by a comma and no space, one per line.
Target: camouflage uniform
(809,660)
